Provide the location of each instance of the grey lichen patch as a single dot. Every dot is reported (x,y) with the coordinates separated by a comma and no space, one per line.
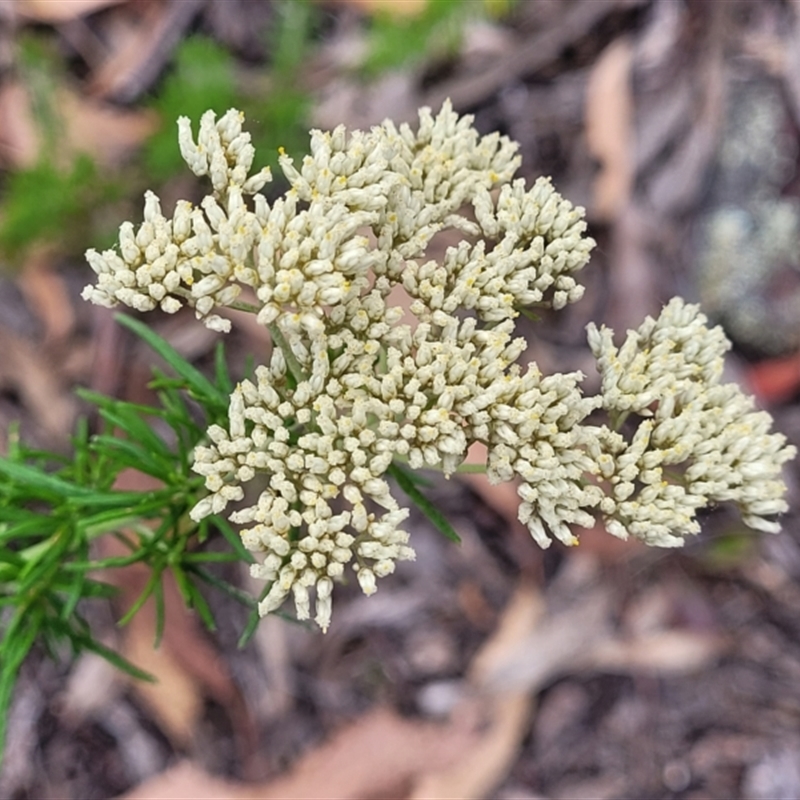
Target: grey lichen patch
(748,265)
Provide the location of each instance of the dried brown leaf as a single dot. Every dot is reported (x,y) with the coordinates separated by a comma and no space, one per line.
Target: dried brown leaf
(46,293)
(555,646)
(107,133)
(506,715)
(176,698)
(609,133)
(56,11)
(19,137)
(26,369)
(397,8)
(484,765)
(187,781)
(536,53)
(144,47)
(520,617)
(93,685)
(374,757)
(667,652)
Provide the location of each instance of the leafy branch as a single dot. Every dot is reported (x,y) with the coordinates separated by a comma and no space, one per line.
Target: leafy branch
(53,508)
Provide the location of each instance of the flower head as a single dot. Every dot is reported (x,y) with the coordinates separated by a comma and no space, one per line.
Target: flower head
(355,383)
(698,442)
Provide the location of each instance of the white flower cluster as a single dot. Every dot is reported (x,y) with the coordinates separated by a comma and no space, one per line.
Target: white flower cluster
(200,256)
(354,387)
(315,443)
(698,441)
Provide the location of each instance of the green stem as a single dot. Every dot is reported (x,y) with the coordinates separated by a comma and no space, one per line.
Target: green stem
(291,362)
(471,469)
(240,305)
(618,420)
(463,469)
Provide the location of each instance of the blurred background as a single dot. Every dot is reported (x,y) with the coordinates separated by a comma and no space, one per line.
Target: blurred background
(489,669)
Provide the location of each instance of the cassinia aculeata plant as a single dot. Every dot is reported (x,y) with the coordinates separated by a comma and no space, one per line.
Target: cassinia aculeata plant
(353,385)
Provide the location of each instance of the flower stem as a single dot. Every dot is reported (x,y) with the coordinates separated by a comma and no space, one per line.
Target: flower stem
(291,361)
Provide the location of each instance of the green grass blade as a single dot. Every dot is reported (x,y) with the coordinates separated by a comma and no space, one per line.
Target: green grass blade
(435,516)
(197,382)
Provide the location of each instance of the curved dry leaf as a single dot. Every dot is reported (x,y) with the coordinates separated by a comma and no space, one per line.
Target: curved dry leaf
(45,291)
(19,136)
(397,8)
(55,11)
(25,368)
(144,49)
(609,128)
(670,652)
(558,645)
(484,764)
(109,134)
(187,781)
(93,684)
(376,756)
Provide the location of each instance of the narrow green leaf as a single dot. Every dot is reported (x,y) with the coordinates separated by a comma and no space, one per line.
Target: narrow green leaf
(197,382)
(222,374)
(245,598)
(201,606)
(36,526)
(161,614)
(132,502)
(80,444)
(183,584)
(37,481)
(209,558)
(233,538)
(253,619)
(14,648)
(435,516)
(133,455)
(249,629)
(107,563)
(130,417)
(116,660)
(412,475)
(153,582)
(76,592)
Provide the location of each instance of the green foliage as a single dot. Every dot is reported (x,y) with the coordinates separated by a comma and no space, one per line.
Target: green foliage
(55,202)
(396,41)
(202,78)
(281,116)
(52,509)
(47,205)
(409,482)
(50,203)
